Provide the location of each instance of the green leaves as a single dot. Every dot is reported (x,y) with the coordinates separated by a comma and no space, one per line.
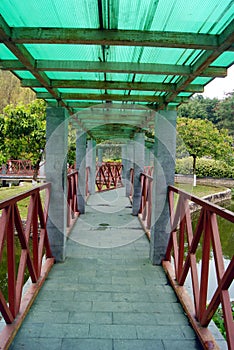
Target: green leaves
(22,131)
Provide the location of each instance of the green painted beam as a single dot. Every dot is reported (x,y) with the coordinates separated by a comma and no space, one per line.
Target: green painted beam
(226,38)
(110,97)
(124,67)
(115,85)
(113,67)
(86,36)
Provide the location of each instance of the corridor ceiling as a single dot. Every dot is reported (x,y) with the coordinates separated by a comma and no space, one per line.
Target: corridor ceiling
(116,61)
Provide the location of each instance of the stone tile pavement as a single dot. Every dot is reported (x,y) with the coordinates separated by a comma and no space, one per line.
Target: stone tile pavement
(106,295)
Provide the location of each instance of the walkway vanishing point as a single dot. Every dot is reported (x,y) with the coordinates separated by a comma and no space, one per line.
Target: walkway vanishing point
(106,295)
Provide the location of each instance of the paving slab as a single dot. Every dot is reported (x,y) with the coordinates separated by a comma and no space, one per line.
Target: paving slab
(106,295)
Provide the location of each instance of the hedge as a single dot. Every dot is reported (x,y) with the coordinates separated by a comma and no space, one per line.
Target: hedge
(205,168)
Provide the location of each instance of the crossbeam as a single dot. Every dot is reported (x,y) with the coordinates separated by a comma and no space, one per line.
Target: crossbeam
(32,35)
(113,67)
(115,85)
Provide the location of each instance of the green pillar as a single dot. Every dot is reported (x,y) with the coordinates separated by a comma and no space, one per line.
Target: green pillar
(56,173)
(164,172)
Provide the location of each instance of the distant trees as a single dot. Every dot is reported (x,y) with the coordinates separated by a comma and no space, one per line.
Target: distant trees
(219,112)
(201,138)
(11,92)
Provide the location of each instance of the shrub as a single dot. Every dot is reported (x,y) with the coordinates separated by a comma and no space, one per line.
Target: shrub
(205,168)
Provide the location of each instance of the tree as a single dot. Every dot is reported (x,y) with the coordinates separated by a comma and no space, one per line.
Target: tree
(11,92)
(199,107)
(225,113)
(201,138)
(23,131)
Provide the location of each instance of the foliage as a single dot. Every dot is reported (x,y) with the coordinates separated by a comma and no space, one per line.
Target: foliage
(219,321)
(205,168)
(199,107)
(225,113)
(11,92)
(201,138)
(22,132)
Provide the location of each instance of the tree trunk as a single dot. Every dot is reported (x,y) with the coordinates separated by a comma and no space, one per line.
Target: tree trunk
(194,171)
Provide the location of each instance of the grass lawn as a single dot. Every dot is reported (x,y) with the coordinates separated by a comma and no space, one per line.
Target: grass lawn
(9,192)
(200,190)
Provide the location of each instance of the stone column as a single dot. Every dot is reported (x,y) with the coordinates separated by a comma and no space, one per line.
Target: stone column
(139,155)
(129,165)
(147,156)
(91,163)
(100,156)
(56,173)
(164,172)
(81,167)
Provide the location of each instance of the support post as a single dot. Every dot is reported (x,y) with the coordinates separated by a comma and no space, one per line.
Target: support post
(147,156)
(100,156)
(56,173)
(129,165)
(139,155)
(81,167)
(91,162)
(164,172)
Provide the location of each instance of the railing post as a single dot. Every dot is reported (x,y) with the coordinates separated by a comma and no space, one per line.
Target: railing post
(164,171)
(56,173)
(81,167)
(139,155)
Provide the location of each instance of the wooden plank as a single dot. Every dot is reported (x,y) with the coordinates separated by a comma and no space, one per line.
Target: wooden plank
(204,335)
(86,36)
(110,97)
(226,39)
(115,85)
(124,67)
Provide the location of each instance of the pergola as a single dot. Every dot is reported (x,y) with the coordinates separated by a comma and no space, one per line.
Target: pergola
(121,66)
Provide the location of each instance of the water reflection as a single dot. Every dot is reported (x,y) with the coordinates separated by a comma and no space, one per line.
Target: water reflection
(226,230)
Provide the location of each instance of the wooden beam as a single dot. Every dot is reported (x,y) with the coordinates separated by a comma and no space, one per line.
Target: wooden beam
(112,67)
(111,85)
(124,67)
(26,59)
(110,97)
(26,35)
(226,39)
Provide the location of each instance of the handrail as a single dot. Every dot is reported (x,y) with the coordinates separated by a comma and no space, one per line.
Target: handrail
(201,311)
(72,186)
(146,202)
(34,235)
(108,176)
(16,167)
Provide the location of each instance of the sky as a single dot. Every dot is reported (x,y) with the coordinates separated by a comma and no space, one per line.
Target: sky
(219,86)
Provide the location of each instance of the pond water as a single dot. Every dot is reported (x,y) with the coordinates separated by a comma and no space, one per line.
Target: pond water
(226,230)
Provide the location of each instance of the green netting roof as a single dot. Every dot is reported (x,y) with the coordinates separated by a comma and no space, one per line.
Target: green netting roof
(152,53)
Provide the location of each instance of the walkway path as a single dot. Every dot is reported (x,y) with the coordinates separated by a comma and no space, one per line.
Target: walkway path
(106,295)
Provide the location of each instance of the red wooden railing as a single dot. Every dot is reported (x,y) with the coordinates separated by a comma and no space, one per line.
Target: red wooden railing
(34,244)
(184,260)
(87,181)
(72,186)
(108,176)
(19,167)
(146,202)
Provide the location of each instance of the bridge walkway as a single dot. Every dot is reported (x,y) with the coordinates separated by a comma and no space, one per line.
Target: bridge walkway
(106,295)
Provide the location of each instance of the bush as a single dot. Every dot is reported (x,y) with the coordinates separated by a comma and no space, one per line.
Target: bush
(205,168)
